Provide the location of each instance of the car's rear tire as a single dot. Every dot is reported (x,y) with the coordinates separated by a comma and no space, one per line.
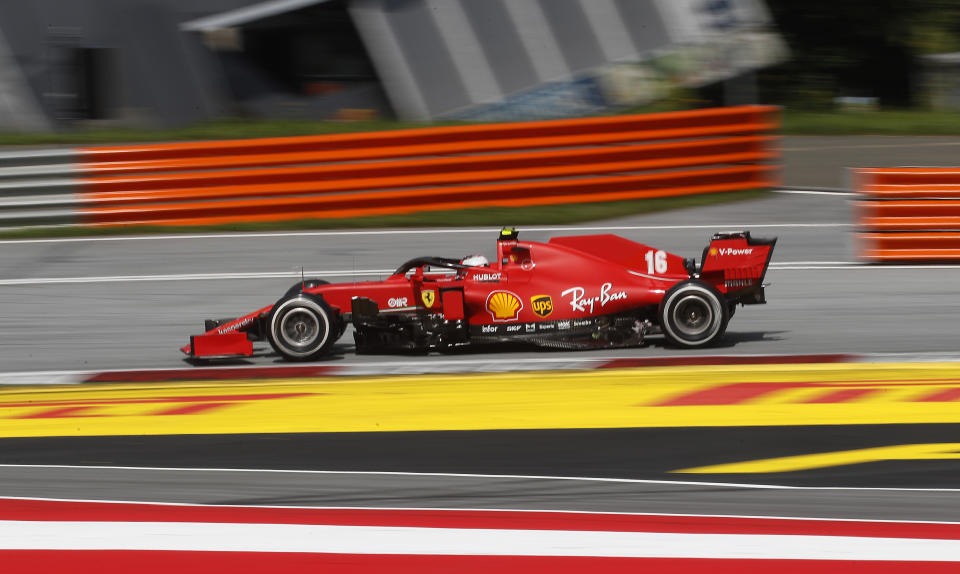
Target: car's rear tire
(302,327)
(693,314)
(301,286)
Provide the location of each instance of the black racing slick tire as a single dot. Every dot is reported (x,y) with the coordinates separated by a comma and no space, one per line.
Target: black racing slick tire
(693,314)
(301,286)
(302,327)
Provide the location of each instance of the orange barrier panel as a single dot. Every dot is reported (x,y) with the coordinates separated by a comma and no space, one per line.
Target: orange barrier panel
(910,192)
(910,223)
(908,214)
(442,198)
(909,209)
(431,169)
(755,148)
(321,185)
(899,247)
(927,176)
(337,186)
(312,157)
(727,120)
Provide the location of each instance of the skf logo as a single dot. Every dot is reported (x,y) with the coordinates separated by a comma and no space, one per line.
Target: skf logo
(542,305)
(429,297)
(504,306)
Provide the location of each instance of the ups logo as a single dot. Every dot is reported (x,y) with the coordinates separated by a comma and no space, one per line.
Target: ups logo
(542,305)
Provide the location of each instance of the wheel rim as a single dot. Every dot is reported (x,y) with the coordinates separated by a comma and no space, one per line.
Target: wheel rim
(299,328)
(692,316)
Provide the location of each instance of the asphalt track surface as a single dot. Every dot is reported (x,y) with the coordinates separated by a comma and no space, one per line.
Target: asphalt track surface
(120,303)
(618,453)
(385,490)
(130,303)
(825,161)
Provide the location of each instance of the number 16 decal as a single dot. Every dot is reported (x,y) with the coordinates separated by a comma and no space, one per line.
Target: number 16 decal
(656,262)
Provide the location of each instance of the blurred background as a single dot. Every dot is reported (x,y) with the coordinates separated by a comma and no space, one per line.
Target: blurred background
(170,63)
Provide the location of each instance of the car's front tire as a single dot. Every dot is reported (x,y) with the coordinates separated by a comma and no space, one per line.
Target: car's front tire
(301,286)
(302,327)
(693,314)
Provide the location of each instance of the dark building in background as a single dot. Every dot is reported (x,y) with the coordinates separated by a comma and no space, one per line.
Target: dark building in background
(175,62)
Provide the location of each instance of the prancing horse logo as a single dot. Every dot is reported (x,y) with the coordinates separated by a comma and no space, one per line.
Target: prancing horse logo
(428,296)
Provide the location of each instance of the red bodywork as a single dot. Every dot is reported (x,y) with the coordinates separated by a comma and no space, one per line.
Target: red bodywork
(559,283)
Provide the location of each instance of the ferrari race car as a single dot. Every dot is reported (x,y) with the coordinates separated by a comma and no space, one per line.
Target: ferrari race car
(579,292)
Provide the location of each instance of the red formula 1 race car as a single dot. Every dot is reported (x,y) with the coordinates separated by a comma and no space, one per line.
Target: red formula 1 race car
(588,291)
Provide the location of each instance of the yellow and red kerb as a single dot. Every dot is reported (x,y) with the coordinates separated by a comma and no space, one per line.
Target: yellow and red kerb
(698,396)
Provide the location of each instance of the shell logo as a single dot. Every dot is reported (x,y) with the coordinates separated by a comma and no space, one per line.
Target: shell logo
(713,251)
(504,306)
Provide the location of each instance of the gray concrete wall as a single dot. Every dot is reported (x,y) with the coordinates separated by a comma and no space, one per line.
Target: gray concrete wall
(154,74)
(477,56)
(466,59)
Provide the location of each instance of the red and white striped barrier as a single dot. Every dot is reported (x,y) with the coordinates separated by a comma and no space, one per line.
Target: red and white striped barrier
(49,536)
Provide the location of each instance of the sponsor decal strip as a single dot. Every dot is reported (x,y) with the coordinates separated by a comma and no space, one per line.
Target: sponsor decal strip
(537,327)
(694,396)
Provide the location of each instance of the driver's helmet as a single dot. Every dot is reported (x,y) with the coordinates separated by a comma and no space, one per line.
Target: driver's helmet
(475,261)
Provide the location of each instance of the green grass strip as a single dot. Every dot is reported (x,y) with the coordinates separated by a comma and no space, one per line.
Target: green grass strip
(795,122)
(892,122)
(218,130)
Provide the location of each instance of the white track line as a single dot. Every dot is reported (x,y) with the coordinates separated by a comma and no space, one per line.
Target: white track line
(730,485)
(788,266)
(783,263)
(370,273)
(29,378)
(439,231)
(814,192)
(194,277)
(442,366)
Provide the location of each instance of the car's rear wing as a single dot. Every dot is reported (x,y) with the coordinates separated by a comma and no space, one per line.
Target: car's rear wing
(736,263)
